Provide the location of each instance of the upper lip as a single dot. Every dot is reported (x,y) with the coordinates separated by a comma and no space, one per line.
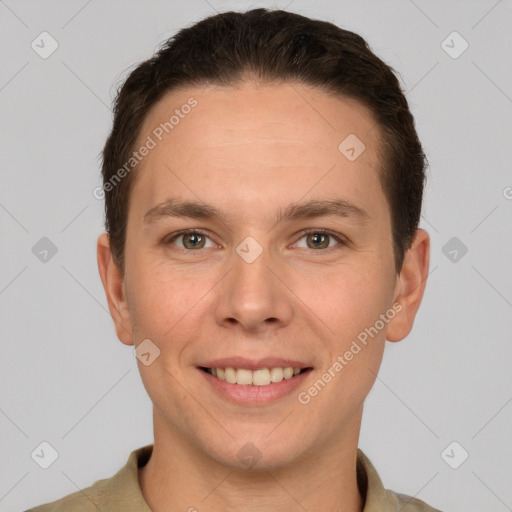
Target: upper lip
(253,364)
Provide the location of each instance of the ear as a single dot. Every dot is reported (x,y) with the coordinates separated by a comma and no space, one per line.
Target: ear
(410,286)
(113,283)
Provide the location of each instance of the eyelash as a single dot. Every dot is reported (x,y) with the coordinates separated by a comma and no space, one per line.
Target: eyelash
(341,241)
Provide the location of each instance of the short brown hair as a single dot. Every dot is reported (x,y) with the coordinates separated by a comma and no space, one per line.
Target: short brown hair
(273,45)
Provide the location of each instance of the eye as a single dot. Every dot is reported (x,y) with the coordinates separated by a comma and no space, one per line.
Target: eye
(320,239)
(193,240)
(190,240)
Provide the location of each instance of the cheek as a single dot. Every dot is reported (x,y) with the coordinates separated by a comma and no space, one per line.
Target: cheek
(347,298)
(165,308)
(349,302)
(352,356)
(164,301)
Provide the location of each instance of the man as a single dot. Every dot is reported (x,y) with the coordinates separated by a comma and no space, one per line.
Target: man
(263,184)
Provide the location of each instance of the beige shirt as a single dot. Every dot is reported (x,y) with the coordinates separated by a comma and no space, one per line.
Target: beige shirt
(122,492)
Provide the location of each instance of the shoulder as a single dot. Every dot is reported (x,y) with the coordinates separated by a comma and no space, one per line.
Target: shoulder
(118,493)
(378,498)
(409,504)
(89,499)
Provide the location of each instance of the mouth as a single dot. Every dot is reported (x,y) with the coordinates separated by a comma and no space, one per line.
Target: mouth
(260,377)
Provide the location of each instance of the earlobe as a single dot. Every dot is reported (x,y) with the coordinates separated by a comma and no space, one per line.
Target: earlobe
(113,284)
(410,286)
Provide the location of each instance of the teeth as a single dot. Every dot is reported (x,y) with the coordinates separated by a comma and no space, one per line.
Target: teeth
(276,374)
(243,376)
(288,373)
(261,377)
(230,374)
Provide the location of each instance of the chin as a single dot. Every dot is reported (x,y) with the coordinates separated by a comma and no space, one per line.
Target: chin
(258,452)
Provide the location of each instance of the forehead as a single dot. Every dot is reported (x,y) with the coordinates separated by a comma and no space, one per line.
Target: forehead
(257,138)
(261,110)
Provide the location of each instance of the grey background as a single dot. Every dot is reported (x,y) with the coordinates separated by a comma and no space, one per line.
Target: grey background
(67,380)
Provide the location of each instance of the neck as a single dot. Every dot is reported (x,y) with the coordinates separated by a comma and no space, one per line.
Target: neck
(321,479)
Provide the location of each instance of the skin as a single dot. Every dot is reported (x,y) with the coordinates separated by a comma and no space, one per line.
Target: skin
(264,147)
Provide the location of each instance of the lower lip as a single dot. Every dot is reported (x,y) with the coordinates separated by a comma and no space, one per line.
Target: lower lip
(255,395)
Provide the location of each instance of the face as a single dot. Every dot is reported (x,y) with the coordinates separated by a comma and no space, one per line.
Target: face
(283,260)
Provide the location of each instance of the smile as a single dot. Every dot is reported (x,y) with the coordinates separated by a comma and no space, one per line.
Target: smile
(260,377)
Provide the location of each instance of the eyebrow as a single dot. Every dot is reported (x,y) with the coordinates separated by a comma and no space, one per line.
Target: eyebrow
(174,207)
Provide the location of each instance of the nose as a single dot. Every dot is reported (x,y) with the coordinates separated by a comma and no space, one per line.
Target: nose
(253,296)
